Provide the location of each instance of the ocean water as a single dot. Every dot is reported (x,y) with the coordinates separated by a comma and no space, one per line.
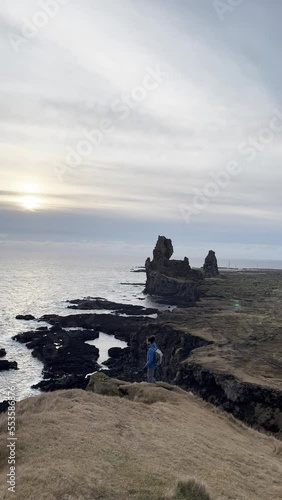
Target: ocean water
(40,283)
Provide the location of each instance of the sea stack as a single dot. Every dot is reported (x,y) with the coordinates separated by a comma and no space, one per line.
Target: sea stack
(163,248)
(210,267)
(172,280)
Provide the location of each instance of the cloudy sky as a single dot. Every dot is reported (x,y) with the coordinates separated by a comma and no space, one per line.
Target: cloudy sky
(122,120)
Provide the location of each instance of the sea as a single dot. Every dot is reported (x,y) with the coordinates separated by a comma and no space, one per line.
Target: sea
(42,282)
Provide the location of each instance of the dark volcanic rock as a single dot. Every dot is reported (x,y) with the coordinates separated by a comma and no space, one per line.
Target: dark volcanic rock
(162,263)
(67,367)
(163,248)
(128,364)
(62,382)
(4,406)
(175,292)
(139,270)
(210,266)
(117,352)
(132,284)
(172,280)
(93,323)
(2,353)
(26,317)
(76,357)
(254,404)
(92,303)
(66,357)
(8,365)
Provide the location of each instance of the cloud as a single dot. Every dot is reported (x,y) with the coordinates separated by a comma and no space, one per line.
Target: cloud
(221,90)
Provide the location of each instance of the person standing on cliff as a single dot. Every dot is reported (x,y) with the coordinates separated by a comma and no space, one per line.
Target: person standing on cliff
(151,365)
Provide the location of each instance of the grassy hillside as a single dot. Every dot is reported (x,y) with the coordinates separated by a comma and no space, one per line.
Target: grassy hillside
(80,445)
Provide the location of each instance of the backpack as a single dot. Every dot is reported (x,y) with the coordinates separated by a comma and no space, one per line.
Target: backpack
(158,357)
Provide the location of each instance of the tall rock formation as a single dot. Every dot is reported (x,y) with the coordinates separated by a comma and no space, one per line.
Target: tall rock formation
(210,267)
(163,248)
(172,280)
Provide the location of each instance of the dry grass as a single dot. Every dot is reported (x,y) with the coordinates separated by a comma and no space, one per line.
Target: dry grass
(79,445)
(242,315)
(188,490)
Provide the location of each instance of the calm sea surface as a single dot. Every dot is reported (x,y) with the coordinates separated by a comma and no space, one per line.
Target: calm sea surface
(39,283)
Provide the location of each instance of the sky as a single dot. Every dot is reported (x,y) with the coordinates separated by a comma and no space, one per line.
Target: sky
(123,120)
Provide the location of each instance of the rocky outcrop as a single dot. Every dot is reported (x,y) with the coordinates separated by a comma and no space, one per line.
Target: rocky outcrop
(66,357)
(172,291)
(163,248)
(25,317)
(67,366)
(142,392)
(97,303)
(173,281)
(128,363)
(61,382)
(104,385)
(210,267)
(4,405)
(2,353)
(161,261)
(8,365)
(254,404)
(138,270)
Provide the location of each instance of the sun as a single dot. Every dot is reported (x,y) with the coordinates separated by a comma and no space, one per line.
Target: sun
(31,203)
(31,195)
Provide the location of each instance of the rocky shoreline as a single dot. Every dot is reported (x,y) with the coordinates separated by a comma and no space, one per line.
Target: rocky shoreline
(68,359)
(6,364)
(68,366)
(65,355)
(98,303)
(204,351)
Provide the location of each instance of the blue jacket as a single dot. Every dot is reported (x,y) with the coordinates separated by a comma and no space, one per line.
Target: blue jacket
(151,356)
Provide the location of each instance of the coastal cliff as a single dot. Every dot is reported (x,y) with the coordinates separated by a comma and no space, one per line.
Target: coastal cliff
(225,347)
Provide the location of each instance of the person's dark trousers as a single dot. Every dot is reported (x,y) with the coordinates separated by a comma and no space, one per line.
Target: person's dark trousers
(151,375)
